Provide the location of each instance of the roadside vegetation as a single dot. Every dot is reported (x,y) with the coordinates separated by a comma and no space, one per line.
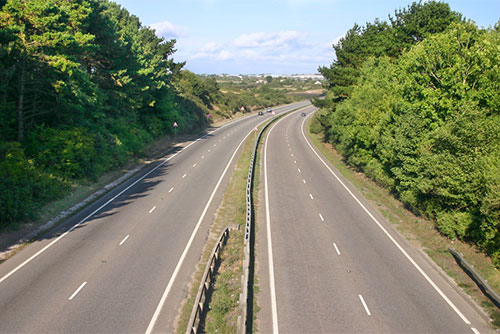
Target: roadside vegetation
(86,91)
(414,104)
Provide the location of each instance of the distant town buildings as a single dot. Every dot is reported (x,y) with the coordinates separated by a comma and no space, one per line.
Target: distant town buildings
(260,78)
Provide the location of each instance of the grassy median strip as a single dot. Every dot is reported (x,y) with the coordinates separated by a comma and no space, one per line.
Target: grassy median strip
(224,310)
(419,231)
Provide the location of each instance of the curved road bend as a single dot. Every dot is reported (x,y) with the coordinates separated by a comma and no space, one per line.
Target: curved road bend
(122,265)
(334,267)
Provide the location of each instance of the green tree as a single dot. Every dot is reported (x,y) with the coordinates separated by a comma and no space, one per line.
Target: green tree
(44,37)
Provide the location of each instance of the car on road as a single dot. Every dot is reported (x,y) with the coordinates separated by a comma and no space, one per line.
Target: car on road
(303,114)
(269,109)
(261,112)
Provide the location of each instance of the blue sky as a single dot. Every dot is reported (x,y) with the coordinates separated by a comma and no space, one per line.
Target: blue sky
(271,36)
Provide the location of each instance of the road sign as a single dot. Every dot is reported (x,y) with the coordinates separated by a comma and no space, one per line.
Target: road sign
(175,125)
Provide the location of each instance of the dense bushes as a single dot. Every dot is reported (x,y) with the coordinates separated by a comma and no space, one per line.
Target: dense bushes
(426,124)
(23,187)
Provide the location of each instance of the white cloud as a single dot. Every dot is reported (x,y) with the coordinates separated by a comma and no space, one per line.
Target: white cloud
(210,47)
(167,29)
(211,51)
(279,40)
(265,52)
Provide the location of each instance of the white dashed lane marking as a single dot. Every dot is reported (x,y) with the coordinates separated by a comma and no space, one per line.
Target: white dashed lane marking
(336,248)
(123,241)
(77,290)
(364,305)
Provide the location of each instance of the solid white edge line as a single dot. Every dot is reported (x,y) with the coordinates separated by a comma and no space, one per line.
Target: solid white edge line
(124,239)
(77,290)
(188,245)
(336,248)
(364,305)
(272,284)
(420,270)
(152,209)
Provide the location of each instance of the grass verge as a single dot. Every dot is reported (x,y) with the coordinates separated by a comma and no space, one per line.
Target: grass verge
(419,231)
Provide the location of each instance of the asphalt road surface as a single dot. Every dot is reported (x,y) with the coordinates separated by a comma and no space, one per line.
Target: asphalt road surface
(330,263)
(123,264)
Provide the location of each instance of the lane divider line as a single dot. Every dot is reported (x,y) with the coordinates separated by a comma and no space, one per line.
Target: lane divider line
(336,248)
(364,305)
(124,239)
(171,189)
(153,209)
(401,249)
(321,217)
(310,195)
(272,284)
(77,290)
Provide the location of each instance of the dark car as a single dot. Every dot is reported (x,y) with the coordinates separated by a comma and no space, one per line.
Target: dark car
(261,112)
(303,114)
